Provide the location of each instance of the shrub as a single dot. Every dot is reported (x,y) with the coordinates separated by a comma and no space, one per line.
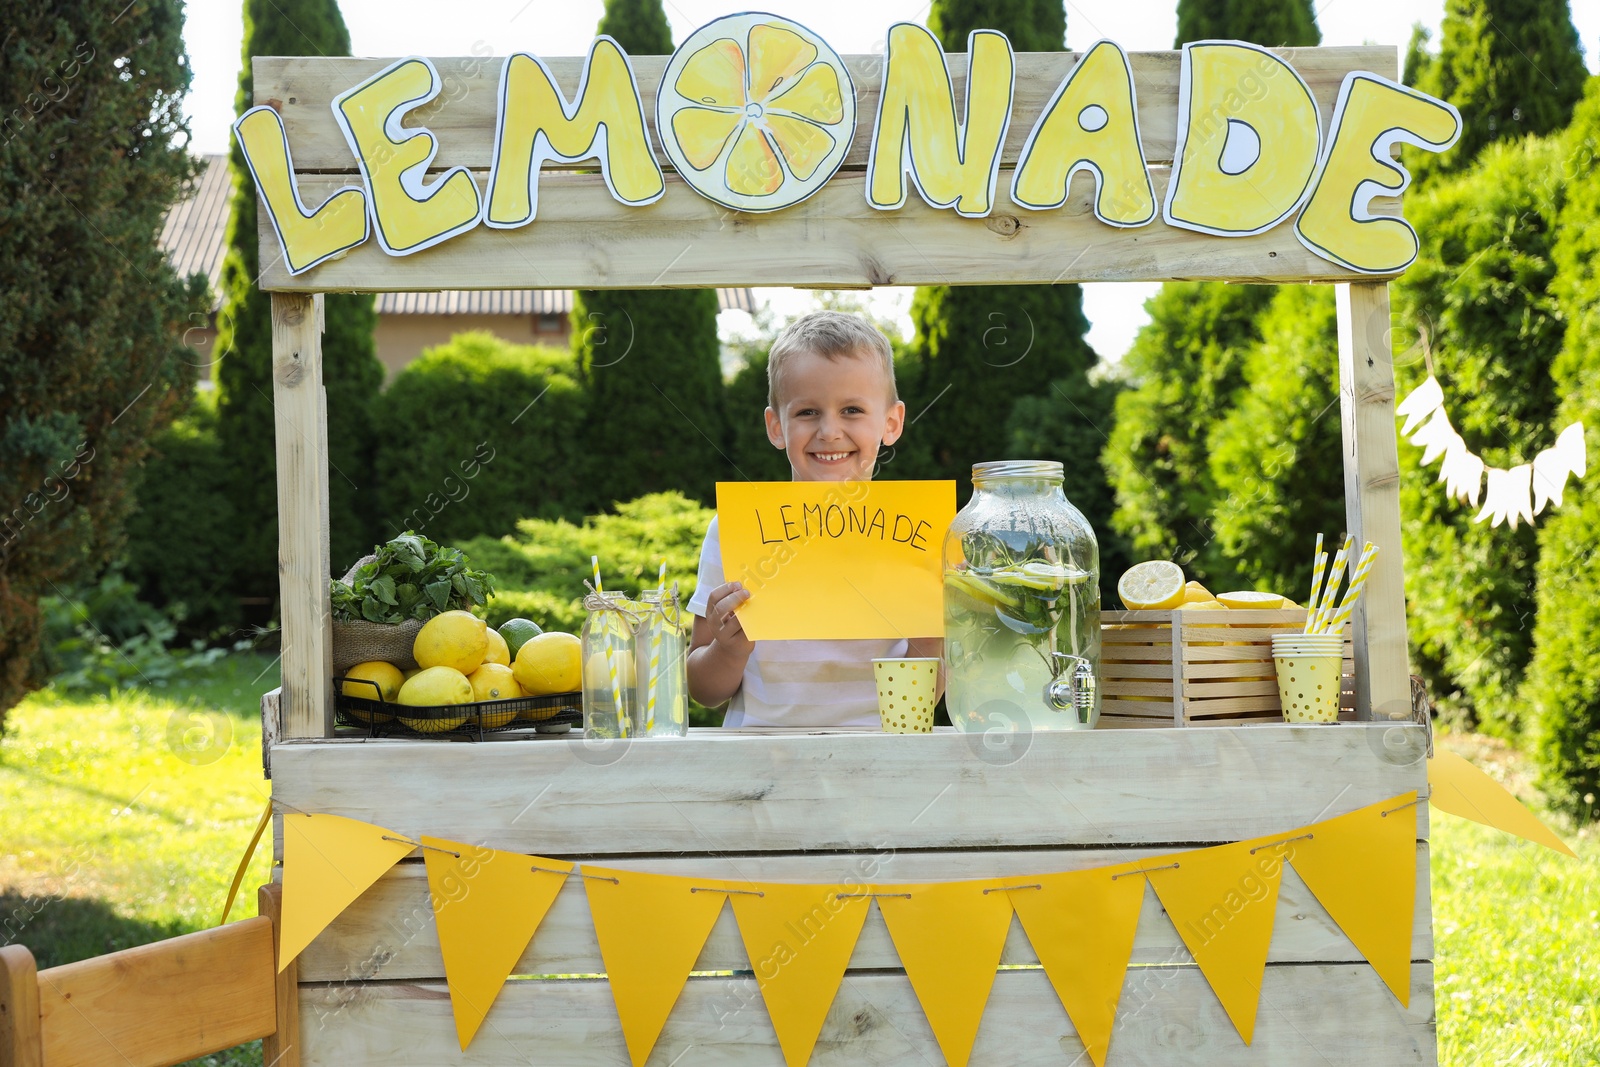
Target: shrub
(182,541)
(1275,458)
(1480,293)
(477,433)
(1563,683)
(91,367)
(540,570)
(100,636)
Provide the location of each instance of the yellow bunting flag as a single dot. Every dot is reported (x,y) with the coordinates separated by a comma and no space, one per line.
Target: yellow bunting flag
(1460,788)
(1222,901)
(651,928)
(486,905)
(1081,925)
(799,939)
(1362,867)
(949,937)
(328,861)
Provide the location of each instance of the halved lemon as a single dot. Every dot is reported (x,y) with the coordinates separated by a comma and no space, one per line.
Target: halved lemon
(1251,600)
(1154,585)
(755,111)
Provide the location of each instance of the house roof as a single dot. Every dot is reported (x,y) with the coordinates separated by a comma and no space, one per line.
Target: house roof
(194,240)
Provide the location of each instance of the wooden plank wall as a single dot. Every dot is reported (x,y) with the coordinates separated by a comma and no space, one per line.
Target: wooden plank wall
(863,808)
(584,239)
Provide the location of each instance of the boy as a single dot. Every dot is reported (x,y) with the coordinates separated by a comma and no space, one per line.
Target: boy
(831,403)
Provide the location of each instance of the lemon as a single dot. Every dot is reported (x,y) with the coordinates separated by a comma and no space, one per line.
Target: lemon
(432,687)
(517,632)
(456,639)
(412,673)
(1194,593)
(756,112)
(388,678)
(499,652)
(1202,605)
(549,663)
(1154,585)
(494,681)
(597,671)
(1250,599)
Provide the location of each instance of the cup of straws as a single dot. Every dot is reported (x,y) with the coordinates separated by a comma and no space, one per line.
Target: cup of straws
(1310,663)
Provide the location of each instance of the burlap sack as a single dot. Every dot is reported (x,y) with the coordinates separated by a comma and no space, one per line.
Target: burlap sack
(359,641)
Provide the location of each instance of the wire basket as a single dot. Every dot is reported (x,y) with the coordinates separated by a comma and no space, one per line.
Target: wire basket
(547,714)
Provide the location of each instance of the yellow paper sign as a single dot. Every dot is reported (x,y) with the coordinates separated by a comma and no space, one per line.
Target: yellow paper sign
(836,560)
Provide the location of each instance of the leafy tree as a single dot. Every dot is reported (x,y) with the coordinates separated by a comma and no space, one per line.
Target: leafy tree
(1480,295)
(1563,683)
(1186,367)
(351,373)
(1188,364)
(1275,456)
(980,348)
(91,155)
(1267,22)
(1512,67)
(479,433)
(650,357)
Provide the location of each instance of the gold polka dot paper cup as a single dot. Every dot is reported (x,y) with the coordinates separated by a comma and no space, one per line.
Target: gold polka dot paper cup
(1309,668)
(906,694)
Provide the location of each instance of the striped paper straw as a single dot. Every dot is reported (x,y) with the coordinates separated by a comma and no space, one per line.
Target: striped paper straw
(1358,578)
(655,651)
(1319,560)
(611,661)
(1330,595)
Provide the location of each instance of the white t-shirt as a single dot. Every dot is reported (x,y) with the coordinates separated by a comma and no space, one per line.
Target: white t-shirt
(798,683)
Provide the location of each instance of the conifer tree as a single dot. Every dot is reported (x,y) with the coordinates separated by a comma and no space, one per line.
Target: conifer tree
(1563,686)
(650,357)
(351,373)
(979,350)
(91,365)
(1187,367)
(1511,67)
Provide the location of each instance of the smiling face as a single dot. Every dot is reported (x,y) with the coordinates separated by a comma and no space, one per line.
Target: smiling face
(832,416)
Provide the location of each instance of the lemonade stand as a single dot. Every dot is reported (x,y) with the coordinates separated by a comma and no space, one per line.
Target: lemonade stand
(1228,895)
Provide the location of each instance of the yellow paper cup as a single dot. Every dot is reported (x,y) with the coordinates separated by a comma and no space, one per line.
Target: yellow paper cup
(906,694)
(1309,677)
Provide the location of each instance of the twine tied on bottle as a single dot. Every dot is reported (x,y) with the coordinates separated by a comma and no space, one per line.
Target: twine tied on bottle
(596,601)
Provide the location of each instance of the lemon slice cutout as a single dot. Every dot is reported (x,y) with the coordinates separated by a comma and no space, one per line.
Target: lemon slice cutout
(1154,585)
(756,112)
(1249,598)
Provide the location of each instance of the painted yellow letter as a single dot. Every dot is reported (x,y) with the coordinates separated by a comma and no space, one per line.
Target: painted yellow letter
(409,215)
(1248,136)
(307,237)
(1371,115)
(1092,124)
(916,129)
(537,124)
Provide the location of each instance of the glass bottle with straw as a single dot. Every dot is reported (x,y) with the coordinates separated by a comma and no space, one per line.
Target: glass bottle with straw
(610,691)
(661,650)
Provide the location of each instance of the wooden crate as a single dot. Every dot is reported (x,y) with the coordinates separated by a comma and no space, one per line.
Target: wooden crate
(1219,671)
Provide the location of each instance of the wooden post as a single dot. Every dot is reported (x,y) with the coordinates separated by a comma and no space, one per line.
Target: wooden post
(20,1045)
(1372,498)
(281,1048)
(301,417)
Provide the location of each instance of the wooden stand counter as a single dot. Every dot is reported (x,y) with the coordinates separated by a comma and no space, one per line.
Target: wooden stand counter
(854,807)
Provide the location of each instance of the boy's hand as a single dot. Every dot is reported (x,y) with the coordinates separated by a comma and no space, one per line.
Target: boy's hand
(726,629)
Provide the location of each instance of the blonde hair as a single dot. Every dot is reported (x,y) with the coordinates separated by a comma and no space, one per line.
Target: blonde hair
(833,335)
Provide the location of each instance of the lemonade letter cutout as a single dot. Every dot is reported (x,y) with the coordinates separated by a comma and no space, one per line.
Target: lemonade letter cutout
(537,124)
(916,130)
(1248,136)
(307,237)
(1092,124)
(1372,114)
(756,111)
(409,215)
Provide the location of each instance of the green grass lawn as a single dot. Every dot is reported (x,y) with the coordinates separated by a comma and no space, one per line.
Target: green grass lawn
(123,816)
